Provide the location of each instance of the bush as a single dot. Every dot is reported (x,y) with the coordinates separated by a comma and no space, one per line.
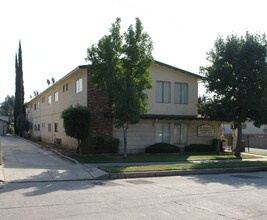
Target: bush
(162,148)
(103,146)
(200,148)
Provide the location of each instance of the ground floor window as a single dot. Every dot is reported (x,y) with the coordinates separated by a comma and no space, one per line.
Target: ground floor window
(180,133)
(163,132)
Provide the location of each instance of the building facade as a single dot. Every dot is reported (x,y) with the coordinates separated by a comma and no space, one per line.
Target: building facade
(171,118)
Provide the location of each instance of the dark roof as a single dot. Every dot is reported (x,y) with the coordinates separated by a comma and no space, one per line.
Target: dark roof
(178,69)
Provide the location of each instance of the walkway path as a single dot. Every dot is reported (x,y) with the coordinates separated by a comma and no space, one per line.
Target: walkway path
(26,162)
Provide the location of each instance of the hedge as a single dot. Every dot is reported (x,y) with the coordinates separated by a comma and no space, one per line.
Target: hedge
(162,148)
(200,148)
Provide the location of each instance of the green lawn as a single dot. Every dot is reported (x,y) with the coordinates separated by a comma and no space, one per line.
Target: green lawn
(118,158)
(125,169)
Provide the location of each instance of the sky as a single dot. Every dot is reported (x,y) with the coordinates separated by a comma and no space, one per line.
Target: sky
(55,34)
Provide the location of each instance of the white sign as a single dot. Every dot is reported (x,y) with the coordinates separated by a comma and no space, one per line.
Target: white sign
(205,131)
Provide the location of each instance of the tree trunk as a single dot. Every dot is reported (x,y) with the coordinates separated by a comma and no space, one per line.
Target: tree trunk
(239,140)
(125,141)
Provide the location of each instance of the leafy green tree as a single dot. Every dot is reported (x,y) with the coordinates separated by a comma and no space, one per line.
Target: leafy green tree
(120,64)
(7,107)
(76,121)
(236,81)
(19,91)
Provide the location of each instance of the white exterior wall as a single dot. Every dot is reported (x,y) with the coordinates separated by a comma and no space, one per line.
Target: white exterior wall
(160,73)
(51,113)
(143,134)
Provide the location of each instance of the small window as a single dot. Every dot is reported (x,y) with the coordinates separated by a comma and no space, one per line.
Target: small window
(56,97)
(79,85)
(49,127)
(38,127)
(43,100)
(34,107)
(181,93)
(49,99)
(56,127)
(65,87)
(163,92)
(35,127)
(38,104)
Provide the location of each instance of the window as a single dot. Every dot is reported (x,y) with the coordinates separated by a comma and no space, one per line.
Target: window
(38,104)
(162,133)
(163,92)
(180,133)
(181,93)
(38,127)
(35,127)
(34,106)
(43,99)
(65,87)
(56,127)
(56,97)
(49,127)
(49,99)
(79,85)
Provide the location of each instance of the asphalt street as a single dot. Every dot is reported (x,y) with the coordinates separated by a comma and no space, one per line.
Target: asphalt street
(224,196)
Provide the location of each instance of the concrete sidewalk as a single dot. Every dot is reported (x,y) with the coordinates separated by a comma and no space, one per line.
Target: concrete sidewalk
(26,162)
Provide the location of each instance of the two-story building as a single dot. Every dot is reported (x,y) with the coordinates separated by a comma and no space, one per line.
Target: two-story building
(171,118)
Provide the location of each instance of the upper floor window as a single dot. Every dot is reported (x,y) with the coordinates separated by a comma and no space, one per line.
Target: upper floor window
(49,99)
(43,99)
(34,106)
(163,92)
(79,85)
(38,104)
(56,97)
(65,87)
(56,127)
(181,93)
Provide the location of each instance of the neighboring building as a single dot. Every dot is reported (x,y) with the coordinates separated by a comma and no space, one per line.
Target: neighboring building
(171,118)
(251,135)
(4,123)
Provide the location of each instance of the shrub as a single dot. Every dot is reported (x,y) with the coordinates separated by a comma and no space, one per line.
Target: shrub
(103,146)
(162,148)
(200,148)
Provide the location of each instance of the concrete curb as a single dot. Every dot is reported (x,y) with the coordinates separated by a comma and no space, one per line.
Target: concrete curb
(185,172)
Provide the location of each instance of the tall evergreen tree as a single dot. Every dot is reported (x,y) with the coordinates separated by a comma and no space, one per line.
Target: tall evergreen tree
(19,92)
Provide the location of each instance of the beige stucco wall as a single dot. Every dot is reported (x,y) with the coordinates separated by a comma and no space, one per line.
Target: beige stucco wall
(160,73)
(51,113)
(143,134)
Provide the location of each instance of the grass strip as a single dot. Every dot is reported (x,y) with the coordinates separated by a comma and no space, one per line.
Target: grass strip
(118,158)
(187,166)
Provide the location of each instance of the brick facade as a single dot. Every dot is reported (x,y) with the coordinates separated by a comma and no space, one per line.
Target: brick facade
(101,126)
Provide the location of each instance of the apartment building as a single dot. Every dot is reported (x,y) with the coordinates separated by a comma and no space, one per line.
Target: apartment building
(171,118)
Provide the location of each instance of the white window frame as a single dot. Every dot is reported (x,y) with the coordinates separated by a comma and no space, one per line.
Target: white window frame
(79,85)
(180,133)
(49,100)
(163,92)
(163,132)
(56,96)
(181,93)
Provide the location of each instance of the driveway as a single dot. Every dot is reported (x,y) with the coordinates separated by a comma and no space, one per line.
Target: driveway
(27,162)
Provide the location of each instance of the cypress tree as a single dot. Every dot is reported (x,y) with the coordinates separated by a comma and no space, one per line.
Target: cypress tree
(19,93)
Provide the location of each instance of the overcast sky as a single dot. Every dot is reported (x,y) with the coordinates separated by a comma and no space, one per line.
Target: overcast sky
(56,33)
